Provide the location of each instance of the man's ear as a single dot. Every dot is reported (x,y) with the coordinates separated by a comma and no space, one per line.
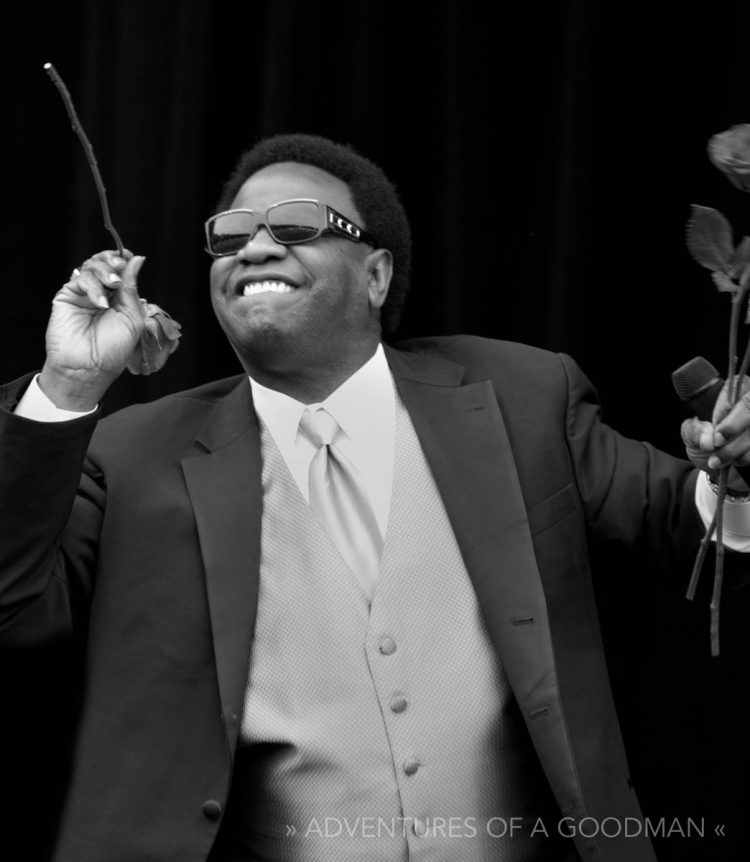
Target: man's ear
(379,265)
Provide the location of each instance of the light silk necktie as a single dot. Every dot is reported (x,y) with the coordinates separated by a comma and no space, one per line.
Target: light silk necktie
(339,502)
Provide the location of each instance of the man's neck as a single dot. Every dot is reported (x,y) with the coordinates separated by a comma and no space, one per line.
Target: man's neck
(311,384)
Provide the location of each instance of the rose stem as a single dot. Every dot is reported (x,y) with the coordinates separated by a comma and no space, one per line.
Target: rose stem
(719,573)
(723,475)
(744,364)
(700,558)
(719,569)
(89,150)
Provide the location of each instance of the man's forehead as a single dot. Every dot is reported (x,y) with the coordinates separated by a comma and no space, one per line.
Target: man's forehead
(284,180)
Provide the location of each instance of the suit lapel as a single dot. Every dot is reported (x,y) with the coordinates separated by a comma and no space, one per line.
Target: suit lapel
(225,487)
(463,436)
(464,439)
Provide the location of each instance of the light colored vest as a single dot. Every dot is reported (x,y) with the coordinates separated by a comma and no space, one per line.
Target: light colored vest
(386,733)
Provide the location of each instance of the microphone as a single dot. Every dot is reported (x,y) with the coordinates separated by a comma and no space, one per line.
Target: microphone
(698,384)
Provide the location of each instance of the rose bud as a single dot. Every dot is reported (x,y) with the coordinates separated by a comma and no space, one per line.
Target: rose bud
(730,152)
(161,335)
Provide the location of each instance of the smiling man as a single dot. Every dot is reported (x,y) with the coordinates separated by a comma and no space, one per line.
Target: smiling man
(337,607)
(302,317)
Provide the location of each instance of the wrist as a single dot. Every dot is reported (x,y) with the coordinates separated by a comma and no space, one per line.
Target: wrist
(733,495)
(75,391)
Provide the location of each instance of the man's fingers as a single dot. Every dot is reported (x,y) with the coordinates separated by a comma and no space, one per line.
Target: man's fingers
(700,439)
(104,280)
(698,436)
(736,452)
(125,297)
(114,259)
(108,275)
(130,275)
(131,270)
(83,290)
(735,422)
(108,268)
(111,258)
(731,437)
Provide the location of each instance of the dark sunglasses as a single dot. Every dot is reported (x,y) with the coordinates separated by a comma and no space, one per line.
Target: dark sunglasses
(288,222)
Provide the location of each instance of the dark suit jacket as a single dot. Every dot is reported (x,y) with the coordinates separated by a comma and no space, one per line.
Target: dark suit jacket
(153,557)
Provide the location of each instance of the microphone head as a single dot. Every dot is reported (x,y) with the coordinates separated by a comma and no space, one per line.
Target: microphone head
(698,384)
(692,377)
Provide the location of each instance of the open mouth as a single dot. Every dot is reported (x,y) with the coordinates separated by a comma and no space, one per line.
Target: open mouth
(255,288)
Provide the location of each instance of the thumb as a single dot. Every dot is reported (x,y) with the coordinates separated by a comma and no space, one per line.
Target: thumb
(126,295)
(697,436)
(721,407)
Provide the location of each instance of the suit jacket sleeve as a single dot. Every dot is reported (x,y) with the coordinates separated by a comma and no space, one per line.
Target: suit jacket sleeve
(633,494)
(46,568)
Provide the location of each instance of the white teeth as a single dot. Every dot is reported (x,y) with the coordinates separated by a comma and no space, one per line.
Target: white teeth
(256,287)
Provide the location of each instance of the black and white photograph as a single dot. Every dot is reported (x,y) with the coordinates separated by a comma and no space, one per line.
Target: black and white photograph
(375,432)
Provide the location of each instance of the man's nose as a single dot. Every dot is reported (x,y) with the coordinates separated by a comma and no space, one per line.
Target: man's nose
(261,246)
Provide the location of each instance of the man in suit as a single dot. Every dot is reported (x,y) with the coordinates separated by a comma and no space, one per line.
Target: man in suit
(426,683)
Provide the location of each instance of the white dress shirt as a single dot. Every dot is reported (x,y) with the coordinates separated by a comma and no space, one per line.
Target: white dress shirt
(364,407)
(735,528)
(35,405)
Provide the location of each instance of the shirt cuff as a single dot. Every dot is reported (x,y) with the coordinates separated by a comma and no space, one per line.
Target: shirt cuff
(35,405)
(736,516)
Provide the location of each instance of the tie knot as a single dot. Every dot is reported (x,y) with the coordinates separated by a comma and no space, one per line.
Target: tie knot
(319,426)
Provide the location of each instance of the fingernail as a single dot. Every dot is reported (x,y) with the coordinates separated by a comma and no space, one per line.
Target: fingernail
(138,263)
(714,463)
(114,278)
(719,439)
(118,261)
(102,302)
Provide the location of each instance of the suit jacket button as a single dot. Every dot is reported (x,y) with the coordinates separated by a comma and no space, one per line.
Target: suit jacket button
(411,765)
(398,703)
(212,809)
(387,645)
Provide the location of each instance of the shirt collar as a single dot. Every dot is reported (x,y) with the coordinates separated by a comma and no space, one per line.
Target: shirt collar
(359,405)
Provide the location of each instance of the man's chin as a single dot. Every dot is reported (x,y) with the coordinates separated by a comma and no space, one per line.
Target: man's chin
(261,341)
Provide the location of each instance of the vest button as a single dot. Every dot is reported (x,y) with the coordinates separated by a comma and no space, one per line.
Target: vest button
(212,809)
(398,703)
(387,645)
(411,765)
(419,827)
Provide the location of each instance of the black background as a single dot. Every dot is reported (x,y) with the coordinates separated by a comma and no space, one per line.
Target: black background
(547,154)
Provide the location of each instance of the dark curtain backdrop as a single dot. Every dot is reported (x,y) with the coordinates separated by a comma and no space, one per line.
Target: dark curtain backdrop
(547,154)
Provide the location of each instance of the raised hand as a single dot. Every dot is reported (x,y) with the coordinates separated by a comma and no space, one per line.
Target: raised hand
(97,319)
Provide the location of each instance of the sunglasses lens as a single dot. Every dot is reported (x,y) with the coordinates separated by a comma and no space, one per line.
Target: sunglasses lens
(229,232)
(296,221)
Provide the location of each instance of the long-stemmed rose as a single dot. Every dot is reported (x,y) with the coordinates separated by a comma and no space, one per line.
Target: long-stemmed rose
(161,334)
(710,242)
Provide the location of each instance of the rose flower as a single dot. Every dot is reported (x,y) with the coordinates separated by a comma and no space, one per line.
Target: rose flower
(730,152)
(161,337)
